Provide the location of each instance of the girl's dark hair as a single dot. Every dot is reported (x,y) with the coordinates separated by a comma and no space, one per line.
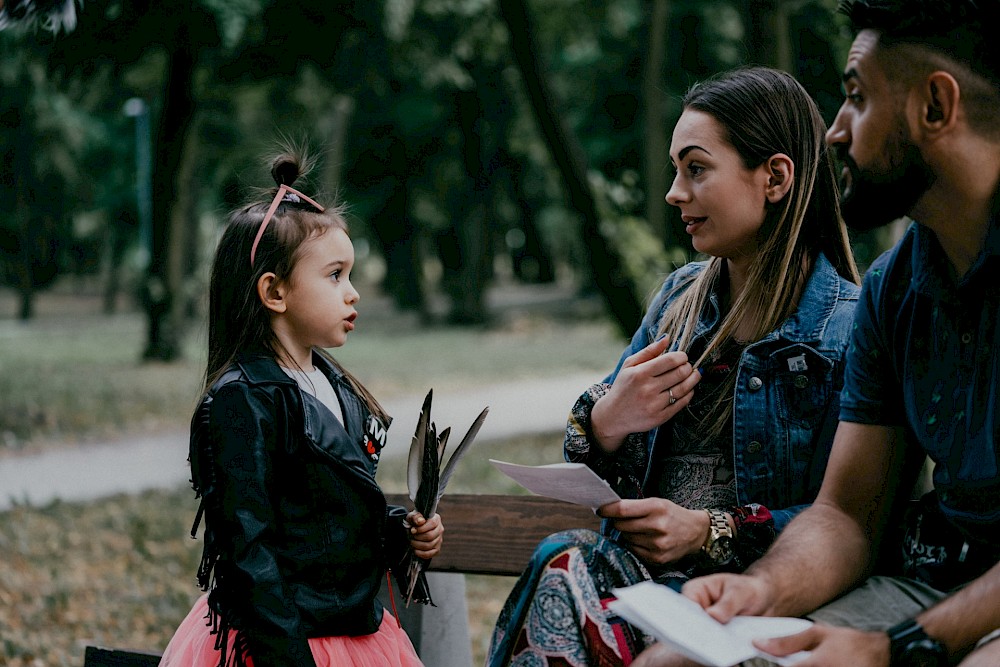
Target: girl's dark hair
(764,112)
(238,323)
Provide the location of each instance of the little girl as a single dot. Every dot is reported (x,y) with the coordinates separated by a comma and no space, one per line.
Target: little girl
(284,446)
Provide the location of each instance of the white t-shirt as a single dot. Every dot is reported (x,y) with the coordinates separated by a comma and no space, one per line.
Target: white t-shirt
(315,383)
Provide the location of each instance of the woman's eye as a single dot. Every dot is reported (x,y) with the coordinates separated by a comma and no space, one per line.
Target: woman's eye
(695,169)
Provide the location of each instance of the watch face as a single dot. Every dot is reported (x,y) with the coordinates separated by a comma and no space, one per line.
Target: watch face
(721,550)
(925,653)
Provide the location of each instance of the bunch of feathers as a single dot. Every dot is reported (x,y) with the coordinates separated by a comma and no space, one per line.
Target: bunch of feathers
(52,15)
(426,480)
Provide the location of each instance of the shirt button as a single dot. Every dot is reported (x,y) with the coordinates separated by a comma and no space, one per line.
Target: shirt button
(755,383)
(801,381)
(754,447)
(966,338)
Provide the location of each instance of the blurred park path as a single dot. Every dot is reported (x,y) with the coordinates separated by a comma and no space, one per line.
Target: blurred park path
(85,472)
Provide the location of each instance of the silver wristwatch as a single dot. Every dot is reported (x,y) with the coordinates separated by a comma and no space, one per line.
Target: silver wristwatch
(718,548)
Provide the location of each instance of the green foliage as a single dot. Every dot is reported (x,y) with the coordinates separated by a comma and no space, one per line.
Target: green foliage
(394,72)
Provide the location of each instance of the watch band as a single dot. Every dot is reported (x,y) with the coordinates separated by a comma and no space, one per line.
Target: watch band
(718,547)
(909,645)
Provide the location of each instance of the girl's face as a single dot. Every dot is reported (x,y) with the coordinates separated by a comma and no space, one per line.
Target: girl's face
(721,201)
(318,295)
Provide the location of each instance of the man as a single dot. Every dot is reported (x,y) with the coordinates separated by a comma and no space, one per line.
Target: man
(919,133)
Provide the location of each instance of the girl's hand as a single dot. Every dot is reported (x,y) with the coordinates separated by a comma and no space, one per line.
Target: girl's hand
(426,535)
(657,530)
(650,389)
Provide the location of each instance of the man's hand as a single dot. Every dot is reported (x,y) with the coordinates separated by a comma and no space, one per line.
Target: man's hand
(726,595)
(657,530)
(832,646)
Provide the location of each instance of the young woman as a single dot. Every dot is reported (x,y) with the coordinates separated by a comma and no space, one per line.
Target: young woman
(284,446)
(717,422)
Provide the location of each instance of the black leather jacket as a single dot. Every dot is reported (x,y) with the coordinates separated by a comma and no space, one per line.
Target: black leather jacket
(297,533)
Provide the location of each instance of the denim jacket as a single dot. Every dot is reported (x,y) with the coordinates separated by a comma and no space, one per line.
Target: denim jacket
(786,401)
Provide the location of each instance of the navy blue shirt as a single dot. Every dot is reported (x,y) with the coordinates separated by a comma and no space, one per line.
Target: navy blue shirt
(925,355)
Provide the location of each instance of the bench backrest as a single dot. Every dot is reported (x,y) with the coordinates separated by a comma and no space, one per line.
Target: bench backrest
(496,534)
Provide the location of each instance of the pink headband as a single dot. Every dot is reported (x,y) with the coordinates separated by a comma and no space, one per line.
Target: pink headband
(283,191)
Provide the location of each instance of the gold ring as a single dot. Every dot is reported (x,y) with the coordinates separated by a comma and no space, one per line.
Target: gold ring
(672,399)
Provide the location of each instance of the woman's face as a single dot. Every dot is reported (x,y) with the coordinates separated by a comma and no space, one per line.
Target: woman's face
(721,201)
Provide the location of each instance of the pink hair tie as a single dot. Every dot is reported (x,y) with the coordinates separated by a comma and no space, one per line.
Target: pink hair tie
(283,191)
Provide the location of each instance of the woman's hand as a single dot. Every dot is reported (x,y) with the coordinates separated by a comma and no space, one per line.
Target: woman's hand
(426,535)
(650,388)
(657,530)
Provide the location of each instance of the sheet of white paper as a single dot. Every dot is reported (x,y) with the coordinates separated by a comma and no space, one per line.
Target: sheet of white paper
(682,623)
(570,482)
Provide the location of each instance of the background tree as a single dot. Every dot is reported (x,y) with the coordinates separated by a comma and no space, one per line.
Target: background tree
(466,134)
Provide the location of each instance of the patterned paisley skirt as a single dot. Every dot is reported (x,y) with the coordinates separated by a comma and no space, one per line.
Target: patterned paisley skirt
(556,614)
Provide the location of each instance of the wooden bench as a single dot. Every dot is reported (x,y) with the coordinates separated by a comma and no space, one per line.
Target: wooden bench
(484,534)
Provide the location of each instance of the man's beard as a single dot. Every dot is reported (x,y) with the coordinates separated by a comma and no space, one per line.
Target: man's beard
(875,197)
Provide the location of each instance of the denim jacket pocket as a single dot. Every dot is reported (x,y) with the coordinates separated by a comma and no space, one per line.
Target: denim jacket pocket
(805,384)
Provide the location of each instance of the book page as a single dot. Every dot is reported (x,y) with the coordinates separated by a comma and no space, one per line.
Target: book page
(680,622)
(569,482)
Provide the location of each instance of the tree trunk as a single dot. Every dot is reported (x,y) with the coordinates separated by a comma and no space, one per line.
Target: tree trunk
(656,151)
(533,261)
(618,291)
(334,128)
(768,41)
(176,115)
(472,270)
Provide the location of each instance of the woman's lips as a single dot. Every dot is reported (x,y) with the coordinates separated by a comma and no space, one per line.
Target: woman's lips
(691,222)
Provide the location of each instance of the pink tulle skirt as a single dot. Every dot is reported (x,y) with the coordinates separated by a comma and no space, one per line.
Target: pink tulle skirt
(193,645)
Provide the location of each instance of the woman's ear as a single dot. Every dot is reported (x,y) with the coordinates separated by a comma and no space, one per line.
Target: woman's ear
(780,175)
(271,292)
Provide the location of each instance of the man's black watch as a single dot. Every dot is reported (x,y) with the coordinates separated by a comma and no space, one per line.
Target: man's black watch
(909,646)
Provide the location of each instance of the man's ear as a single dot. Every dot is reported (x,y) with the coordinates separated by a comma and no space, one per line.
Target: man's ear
(938,97)
(780,175)
(271,292)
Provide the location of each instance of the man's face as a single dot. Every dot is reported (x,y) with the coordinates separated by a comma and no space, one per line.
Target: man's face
(884,173)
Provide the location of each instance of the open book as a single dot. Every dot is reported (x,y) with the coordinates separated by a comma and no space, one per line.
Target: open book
(569,482)
(680,622)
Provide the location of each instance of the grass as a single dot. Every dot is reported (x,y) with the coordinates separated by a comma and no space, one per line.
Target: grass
(120,571)
(74,375)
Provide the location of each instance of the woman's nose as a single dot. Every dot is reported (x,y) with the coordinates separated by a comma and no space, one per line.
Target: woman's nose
(676,195)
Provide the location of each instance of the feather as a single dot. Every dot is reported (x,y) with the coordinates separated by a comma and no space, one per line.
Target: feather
(426,479)
(470,436)
(428,488)
(417,447)
(443,444)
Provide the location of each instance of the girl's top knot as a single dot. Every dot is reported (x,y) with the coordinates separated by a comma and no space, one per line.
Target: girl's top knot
(285,169)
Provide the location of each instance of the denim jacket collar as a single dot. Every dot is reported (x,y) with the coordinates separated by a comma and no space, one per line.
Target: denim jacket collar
(807,323)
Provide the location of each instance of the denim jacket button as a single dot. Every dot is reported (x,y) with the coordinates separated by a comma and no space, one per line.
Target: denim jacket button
(801,381)
(755,383)
(754,447)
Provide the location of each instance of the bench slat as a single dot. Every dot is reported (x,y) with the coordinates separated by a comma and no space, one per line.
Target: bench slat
(496,534)
(97,656)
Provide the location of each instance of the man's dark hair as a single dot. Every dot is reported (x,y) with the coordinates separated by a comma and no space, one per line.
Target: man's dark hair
(962,32)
